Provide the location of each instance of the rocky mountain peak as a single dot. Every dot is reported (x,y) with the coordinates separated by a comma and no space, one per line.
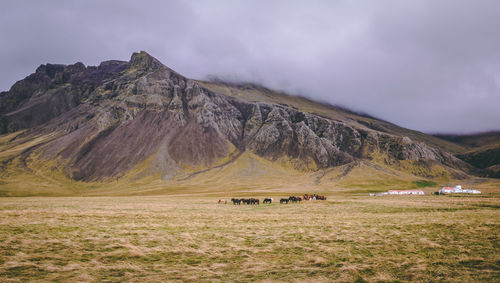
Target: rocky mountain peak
(75,68)
(144,61)
(50,69)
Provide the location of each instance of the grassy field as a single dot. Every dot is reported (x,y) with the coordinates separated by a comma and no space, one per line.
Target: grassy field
(176,238)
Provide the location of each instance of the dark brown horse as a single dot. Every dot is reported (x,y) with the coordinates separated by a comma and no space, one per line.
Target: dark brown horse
(250,201)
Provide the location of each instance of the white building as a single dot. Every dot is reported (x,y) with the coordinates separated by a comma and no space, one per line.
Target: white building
(405,192)
(399,192)
(378,194)
(457,190)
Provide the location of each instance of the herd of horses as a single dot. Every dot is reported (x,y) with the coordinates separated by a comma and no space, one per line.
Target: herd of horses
(245,201)
(294,199)
(291,199)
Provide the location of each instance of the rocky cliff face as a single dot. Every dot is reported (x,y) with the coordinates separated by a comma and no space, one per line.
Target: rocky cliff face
(114,117)
(51,91)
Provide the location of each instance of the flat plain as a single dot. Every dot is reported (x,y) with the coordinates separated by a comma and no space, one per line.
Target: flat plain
(192,238)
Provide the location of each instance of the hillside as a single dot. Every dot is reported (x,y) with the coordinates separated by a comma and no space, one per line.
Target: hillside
(486,157)
(473,140)
(139,127)
(482,151)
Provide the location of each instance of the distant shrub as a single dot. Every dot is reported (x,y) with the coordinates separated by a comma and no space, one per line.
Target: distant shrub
(424,183)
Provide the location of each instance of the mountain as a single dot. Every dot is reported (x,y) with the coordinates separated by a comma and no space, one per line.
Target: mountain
(140,127)
(482,151)
(473,140)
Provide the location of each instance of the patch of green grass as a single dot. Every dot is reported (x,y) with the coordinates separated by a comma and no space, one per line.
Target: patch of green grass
(23,271)
(425,183)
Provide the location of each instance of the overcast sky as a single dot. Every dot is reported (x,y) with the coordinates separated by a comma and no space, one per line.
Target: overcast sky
(432,66)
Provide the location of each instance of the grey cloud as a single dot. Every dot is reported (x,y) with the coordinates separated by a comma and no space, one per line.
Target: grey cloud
(429,65)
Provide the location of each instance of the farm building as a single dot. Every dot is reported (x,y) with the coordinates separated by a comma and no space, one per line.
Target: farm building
(457,190)
(405,192)
(399,192)
(378,194)
(447,190)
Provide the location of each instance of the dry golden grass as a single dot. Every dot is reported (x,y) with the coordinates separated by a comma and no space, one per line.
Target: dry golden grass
(175,238)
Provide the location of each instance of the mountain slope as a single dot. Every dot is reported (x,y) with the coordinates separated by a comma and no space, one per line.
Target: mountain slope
(473,140)
(139,122)
(482,151)
(485,157)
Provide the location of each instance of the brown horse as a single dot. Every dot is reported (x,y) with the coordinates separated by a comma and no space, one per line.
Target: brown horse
(313,197)
(254,201)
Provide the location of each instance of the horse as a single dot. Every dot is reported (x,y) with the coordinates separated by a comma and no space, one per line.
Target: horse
(268,200)
(284,200)
(254,201)
(292,199)
(318,197)
(236,201)
(222,201)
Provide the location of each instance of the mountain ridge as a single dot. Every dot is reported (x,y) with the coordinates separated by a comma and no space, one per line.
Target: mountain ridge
(104,122)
